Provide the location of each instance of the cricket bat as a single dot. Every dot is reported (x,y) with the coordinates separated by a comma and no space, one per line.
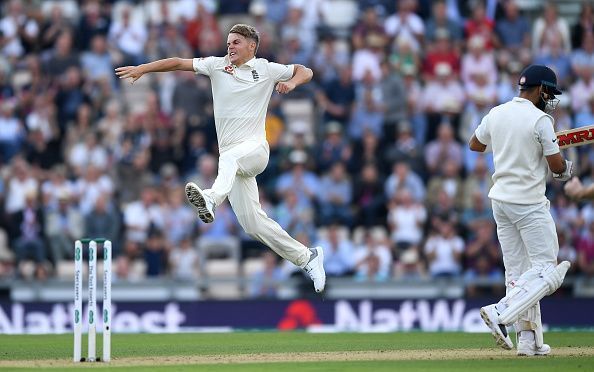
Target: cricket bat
(576,137)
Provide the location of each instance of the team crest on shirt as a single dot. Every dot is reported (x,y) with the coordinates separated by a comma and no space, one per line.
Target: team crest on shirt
(255,75)
(228,69)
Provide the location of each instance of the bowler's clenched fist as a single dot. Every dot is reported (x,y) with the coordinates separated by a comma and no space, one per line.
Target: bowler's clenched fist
(285,87)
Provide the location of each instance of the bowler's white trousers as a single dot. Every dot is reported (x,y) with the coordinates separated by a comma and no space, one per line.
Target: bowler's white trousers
(238,167)
(528,239)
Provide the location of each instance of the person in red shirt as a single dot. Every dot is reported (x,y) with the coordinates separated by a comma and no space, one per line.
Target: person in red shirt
(480,24)
(442,51)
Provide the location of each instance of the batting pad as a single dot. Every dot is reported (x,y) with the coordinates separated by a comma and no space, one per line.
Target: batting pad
(527,293)
(531,321)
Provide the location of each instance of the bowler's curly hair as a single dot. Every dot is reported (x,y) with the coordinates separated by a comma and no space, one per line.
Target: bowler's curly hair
(247,31)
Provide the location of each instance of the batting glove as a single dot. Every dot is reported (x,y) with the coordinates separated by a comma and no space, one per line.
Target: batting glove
(566,175)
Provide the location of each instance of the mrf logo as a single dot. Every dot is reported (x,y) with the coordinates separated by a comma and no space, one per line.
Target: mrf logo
(575,137)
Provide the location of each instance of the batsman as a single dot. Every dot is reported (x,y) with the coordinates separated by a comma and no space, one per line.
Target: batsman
(521,135)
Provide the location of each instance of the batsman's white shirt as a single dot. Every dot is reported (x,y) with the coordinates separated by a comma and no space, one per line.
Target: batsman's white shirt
(520,136)
(241,96)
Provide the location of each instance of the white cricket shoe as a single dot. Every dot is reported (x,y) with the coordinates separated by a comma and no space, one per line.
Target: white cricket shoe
(203,204)
(527,347)
(315,268)
(499,331)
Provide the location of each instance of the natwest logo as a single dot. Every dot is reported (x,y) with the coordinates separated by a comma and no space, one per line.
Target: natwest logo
(363,316)
(17,319)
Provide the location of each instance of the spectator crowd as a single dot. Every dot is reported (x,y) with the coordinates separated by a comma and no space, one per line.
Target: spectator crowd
(379,174)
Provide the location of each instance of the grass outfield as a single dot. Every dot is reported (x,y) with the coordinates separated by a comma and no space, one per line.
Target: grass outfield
(264,351)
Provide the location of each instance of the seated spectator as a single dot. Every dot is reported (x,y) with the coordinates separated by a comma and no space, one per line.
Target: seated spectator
(62,57)
(298,178)
(564,212)
(19,183)
(88,152)
(129,37)
(480,24)
(338,253)
(478,211)
(478,68)
(337,96)
(369,23)
(368,110)
(582,59)
(333,148)
(405,148)
(514,29)
(409,266)
(559,60)
(406,24)
(369,151)
(393,93)
(448,180)
(183,260)
(294,217)
(64,224)
(27,227)
(567,251)
(585,251)
(335,196)
(406,218)
(403,178)
(369,58)
(89,187)
(96,63)
(440,20)
(368,197)
(444,251)
(372,260)
(105,220)
(13,132)
(442,99)
(265,283)
(442,51)
(442,149)
(179,217)
(482,258)
(584,24)
(548,26)
(142,215)
(155,253)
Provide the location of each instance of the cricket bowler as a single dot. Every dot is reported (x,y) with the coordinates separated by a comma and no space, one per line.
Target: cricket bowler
(241,86)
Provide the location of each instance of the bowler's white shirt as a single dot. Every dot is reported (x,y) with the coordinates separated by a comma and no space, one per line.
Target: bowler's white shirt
(241,96)
(520,136)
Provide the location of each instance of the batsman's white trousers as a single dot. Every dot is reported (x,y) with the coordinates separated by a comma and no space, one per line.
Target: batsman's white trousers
(527,235)
(238,167)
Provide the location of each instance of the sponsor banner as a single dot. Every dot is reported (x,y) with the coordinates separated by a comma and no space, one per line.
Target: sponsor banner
(313,315)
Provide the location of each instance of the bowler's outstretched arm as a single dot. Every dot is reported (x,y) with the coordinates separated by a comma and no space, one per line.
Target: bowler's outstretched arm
(162,65)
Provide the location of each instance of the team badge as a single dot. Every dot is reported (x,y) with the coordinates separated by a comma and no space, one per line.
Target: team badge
(228,69)
(522,80)
(255,75)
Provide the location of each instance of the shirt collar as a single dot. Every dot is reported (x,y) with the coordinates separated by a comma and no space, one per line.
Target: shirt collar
(520,99)
(251,63)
